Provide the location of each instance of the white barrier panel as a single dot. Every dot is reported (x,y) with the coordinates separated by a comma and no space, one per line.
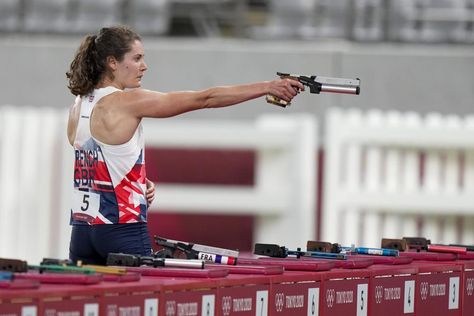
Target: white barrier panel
(36,172)
(283,197)
(398,174)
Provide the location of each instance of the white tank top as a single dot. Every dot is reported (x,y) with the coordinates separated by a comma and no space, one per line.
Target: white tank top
(109,180)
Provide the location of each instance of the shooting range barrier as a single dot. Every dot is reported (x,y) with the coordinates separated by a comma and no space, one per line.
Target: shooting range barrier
(420,287)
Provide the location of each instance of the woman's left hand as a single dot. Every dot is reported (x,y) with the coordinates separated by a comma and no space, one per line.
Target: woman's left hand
(150,191)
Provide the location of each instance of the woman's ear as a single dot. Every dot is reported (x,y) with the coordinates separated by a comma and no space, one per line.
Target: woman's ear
(112,63)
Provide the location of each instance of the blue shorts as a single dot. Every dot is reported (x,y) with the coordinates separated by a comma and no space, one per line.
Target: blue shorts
(92,243)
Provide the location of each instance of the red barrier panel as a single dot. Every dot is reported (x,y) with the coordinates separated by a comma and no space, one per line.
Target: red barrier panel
(295,293)
(438,288)
(84,304)
(69,299)
(240,294)
(432,288)
(51,299)
(28,305)
(467,281)
(392,290)
(129,298)
(20,308)
(187,296)
(345,292)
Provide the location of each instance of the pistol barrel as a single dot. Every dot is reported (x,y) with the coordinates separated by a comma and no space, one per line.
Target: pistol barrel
(340,89)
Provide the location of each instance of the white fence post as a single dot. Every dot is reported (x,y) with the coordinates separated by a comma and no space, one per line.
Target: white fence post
(10,189)
(332,180)
(373,169)
(467,226)
(31,183)
(404,176)
(290,173)
(393,169)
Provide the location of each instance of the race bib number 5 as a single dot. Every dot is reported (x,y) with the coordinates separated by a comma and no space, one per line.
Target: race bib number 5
(85,206)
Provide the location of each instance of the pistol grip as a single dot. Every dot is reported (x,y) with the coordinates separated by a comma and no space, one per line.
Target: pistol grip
(277,101)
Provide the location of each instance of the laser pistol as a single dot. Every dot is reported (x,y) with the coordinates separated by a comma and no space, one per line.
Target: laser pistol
(318,84)
(177,249)
(277,251)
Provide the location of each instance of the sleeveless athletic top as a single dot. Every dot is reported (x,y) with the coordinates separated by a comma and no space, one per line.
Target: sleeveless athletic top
(109,180)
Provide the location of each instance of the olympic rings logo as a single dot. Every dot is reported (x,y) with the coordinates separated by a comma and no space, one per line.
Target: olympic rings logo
(170,308)
(470,286)
(226,305)
(378,294)
(330,297)
(279,298)
(424,290)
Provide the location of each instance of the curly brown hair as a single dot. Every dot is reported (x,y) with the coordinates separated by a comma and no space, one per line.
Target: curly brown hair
(89,64)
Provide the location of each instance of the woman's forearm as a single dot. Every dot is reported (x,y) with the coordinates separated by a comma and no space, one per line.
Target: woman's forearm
(222,96)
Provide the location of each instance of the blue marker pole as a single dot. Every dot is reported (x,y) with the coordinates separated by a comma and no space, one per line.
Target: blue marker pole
(327,255)
(376,251)
(6,275)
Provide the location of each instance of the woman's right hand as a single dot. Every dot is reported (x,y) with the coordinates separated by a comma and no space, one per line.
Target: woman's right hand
(150,191)
(285,89)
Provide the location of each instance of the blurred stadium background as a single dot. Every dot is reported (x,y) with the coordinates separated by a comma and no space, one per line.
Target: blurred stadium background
(415,57)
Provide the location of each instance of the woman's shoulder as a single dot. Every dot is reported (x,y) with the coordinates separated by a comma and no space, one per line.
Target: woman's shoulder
(74,112)
(75,107)
(134,97)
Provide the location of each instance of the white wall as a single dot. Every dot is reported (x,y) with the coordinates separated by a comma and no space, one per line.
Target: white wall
(394,76)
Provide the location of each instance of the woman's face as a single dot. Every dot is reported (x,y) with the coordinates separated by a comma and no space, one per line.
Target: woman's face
(129,71)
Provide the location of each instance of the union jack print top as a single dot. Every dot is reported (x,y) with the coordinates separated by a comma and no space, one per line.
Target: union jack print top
(109,180)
